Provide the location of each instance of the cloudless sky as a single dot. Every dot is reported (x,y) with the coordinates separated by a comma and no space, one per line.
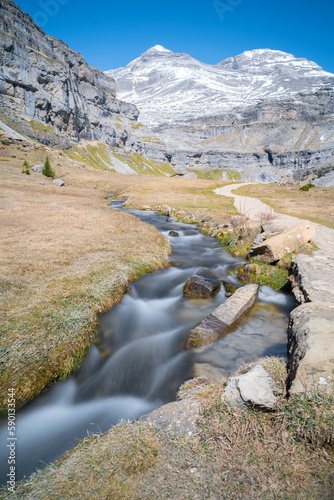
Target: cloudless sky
(110,34)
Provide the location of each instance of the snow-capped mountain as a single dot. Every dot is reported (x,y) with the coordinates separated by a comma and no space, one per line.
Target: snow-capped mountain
(168,87)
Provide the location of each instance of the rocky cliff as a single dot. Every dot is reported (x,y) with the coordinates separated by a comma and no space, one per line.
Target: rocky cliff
(263,113)
(49,92)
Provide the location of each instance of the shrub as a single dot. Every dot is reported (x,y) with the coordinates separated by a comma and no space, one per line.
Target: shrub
(307,187)
(26,169)
(47,170)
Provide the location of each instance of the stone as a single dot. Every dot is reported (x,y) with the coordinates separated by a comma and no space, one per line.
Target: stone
(254,388)
(310,346)
(37,168)
(179,417)
(175,234)
(223,317)
(58,182)
(203,284)
(276,247)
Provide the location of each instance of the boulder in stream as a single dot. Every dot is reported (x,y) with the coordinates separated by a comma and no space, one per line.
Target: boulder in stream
(203,284)
(223,317)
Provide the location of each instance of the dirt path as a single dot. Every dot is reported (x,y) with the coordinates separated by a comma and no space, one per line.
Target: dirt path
(316,271)
(253,208)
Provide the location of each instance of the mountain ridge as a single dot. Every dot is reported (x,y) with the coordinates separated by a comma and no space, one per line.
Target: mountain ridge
(188,86)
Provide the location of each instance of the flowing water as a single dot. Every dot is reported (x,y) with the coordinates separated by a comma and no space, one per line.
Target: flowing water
(140,360)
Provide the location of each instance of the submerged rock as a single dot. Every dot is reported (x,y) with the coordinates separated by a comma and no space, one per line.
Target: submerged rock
(203,284)
(254,388)
(223,317)
(276,247)
(311,346)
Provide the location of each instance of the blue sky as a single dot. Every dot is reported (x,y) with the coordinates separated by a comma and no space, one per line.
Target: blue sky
(109,34)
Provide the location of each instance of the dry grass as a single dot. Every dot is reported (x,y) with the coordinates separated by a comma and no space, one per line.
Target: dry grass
(316,205)
(65,255)
(236,454)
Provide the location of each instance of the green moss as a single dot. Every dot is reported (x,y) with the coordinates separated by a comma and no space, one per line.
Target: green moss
(264,274)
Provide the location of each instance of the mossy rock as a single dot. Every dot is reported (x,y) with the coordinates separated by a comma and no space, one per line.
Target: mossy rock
(264,274)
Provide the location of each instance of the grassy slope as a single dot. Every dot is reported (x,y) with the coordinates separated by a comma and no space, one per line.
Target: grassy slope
(316,205)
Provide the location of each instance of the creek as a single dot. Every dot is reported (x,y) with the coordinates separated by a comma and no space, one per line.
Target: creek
(140,361)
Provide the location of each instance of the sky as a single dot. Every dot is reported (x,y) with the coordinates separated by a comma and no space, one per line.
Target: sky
(110,34)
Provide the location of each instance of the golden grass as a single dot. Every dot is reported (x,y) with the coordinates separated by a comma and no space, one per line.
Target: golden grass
(65,256)
(234,455)
(316,205)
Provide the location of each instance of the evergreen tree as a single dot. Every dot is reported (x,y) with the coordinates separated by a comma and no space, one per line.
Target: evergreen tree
(47,170)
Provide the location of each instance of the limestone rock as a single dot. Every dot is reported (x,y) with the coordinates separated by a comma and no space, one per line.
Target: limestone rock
(310,346)
(254,388)
(58,182)
(276,247)
(203,284)
(37,168)
(179,417)
(223,317)
(49,90)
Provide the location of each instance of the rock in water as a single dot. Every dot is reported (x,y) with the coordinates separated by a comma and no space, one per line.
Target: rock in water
(203,284)
(273,249)
(221,319)
(175,234)
(311,347)
(254,388)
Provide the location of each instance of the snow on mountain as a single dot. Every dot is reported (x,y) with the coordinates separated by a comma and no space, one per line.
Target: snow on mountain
(168,87)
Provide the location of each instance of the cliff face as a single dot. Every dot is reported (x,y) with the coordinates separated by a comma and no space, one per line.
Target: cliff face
(43,80)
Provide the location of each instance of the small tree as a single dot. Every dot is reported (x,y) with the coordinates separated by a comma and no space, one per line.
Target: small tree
(47,170)
(25,169)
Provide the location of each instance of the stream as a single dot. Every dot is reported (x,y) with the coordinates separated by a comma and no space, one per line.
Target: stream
(140,361)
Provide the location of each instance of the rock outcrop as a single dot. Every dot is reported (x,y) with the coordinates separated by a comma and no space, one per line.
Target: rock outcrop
(253,388)
(311,347)
(49,92)
(276,247)
(223,317)
(203,284)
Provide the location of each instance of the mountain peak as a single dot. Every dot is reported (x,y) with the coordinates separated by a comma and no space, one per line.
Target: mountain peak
(158,49)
